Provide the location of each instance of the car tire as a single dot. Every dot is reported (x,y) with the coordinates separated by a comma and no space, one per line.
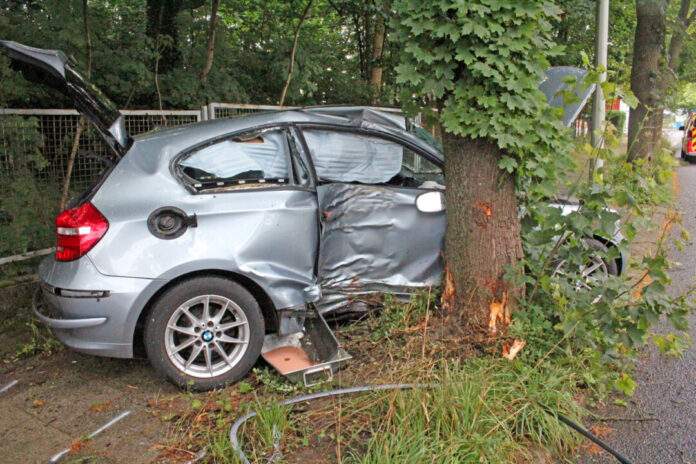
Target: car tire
(598,264)
(610,265)
(204,333)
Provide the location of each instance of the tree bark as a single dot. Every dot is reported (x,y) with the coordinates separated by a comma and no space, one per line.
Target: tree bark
(644,123)
(681,24)
(211,41)
(375,81)
(482,227)
(292,53)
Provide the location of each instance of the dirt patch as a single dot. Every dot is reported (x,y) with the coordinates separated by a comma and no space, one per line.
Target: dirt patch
(60,396)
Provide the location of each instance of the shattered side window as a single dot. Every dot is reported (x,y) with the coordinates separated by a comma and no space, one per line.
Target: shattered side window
(253,160)
(348,157)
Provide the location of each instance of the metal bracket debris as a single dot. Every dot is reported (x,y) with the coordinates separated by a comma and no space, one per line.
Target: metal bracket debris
(310,355)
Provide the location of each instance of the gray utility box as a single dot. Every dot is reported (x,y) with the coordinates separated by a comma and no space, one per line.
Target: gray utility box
(308,356)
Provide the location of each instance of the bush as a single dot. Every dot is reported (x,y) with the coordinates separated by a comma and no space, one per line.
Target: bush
(618,119)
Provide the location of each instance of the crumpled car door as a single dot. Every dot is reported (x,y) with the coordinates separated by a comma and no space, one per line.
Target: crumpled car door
(373,237)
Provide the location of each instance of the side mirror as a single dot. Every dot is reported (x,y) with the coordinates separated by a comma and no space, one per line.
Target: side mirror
(430,202)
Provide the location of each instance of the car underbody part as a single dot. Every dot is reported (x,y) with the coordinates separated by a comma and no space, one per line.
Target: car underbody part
(371,243)
(57,456)
(309,356)
(237,449)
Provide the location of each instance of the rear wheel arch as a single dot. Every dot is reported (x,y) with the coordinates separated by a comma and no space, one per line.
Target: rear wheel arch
(268,309)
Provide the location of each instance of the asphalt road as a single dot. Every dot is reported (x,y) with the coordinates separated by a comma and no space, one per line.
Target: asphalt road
(659,425)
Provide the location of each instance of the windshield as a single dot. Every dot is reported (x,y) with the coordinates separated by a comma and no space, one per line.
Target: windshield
(423,134)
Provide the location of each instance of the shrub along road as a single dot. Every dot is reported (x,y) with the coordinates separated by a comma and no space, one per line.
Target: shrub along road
(659,424)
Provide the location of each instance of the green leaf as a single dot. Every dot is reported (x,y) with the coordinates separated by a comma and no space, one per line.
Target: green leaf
(244,387)
(625,384)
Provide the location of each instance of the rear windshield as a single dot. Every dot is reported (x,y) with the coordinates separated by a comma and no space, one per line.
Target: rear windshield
(107,166)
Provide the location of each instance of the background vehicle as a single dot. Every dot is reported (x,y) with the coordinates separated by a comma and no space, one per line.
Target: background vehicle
(688,149)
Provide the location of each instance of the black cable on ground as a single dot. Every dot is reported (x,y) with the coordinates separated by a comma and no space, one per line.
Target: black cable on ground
(587,434)
(403,386)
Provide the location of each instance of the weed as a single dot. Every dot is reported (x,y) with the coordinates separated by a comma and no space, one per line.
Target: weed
(42,341)
(274,381)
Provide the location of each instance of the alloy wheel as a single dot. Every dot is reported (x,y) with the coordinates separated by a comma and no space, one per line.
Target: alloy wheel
(207,336)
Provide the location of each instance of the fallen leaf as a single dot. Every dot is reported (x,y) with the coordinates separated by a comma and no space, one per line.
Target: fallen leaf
(100,406)
(76,446)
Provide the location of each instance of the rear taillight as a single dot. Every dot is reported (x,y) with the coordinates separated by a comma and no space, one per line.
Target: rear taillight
(78,230)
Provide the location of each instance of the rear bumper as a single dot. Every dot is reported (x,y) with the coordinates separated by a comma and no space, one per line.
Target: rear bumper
(62,324)
(88,311)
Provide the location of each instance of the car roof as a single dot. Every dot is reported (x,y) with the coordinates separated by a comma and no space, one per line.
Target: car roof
(359,117)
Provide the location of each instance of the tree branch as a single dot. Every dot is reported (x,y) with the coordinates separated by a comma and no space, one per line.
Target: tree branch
(292,53)
(211,42)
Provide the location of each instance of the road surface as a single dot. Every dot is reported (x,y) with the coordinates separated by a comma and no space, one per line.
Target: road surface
(661,417)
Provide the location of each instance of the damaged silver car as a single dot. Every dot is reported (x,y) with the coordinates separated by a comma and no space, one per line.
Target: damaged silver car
(201,242)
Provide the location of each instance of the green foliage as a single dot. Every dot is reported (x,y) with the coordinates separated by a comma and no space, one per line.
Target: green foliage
(575,30)
(686,96)
(398,315)
(252,50)
(616,313)
(618,119)
(671,344)
(625,384)
(483,62)
(274,381)
(26,205)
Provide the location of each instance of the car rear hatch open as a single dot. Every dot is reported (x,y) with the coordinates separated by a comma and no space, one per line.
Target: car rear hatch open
(53,68)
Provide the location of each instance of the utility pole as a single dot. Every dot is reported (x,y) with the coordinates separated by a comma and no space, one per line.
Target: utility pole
(601,44)
(598,103)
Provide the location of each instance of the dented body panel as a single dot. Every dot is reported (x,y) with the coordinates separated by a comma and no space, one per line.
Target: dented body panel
(373,240)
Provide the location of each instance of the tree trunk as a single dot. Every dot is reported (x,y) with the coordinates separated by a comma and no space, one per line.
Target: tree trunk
(165,24)
(211,42)
(292,53)
(644,123)
(482,227)
(664,87)
(375,81)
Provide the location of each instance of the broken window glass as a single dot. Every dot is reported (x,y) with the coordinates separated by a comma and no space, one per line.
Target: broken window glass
(257,158)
